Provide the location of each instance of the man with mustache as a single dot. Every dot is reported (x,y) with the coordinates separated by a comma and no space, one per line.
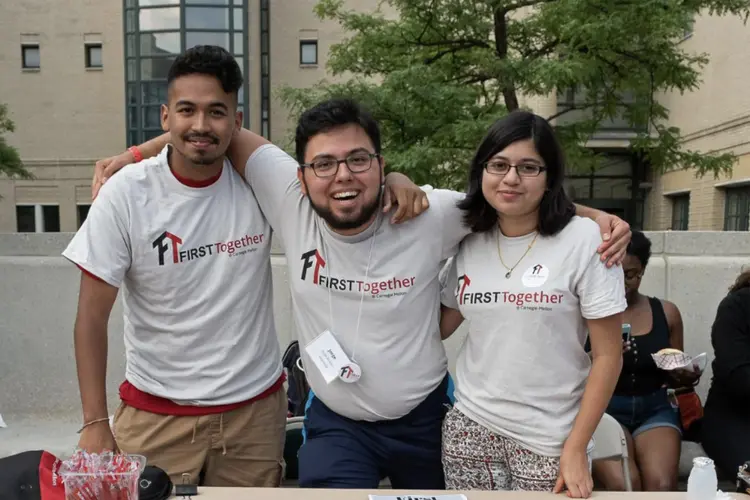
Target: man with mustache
(203,391)
(365,297)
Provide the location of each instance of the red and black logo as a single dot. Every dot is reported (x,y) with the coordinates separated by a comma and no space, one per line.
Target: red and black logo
(313,260)
(167,241)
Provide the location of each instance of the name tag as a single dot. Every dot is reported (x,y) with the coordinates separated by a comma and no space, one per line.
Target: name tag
(328,356)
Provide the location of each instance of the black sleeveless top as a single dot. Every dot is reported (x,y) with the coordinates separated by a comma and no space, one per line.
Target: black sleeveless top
(639,375)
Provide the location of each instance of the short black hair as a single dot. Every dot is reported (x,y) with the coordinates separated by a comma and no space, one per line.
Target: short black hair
(640,247)
(330,114)
(556,209)
(210,60)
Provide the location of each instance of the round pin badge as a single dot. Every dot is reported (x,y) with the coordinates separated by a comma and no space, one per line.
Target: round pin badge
(350,373)
(535,276)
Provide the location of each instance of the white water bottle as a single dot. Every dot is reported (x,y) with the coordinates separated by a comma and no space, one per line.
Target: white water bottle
(702,483)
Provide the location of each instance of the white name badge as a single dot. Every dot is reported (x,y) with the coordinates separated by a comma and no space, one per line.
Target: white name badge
(328,356)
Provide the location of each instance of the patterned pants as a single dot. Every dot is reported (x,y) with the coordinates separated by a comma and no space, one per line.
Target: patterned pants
(475,458)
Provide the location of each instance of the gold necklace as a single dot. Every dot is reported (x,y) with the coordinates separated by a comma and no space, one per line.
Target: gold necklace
(499,254)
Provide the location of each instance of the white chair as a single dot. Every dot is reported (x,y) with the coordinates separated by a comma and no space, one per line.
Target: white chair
(610,442)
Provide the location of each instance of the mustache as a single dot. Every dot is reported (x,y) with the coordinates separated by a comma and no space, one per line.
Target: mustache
(208,137)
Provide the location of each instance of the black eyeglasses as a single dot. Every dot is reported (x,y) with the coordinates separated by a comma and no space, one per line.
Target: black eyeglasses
(523,170)
(328,167)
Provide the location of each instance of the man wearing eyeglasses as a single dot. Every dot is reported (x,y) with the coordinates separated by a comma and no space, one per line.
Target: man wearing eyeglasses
(365,297)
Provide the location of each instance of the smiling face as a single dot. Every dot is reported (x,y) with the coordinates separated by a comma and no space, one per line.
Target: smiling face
(346,200)
(201,118)
(518,193)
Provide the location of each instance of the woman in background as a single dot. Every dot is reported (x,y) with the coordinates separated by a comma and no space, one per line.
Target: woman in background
(726,418)
(640,402)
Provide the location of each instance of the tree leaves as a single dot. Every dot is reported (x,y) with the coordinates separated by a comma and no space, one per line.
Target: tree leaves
(437,73)
(10,161)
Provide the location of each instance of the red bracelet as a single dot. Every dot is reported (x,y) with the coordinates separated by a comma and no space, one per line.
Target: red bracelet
(137,156)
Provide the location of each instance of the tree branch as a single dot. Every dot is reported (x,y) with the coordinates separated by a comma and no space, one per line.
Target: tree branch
(501,49)
(467,45)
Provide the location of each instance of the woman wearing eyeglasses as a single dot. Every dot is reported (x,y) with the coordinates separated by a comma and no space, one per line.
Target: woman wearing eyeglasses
(532,286)
(640,402)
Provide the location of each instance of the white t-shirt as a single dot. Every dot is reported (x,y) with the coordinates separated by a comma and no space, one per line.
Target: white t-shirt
(522,369)
(398,345)
(195,274)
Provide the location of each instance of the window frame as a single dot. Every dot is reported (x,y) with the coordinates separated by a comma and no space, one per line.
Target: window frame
(302,44)
(88,47)
(30,46)
(680,212)
(741,220)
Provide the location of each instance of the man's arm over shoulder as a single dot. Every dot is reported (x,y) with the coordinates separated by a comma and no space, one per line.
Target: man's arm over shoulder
(270,171)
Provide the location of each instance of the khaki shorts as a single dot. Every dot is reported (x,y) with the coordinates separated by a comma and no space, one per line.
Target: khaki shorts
(242,447)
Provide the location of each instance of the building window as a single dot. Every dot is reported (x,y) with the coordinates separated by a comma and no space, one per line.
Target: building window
(680,212)
(93,55)
(82,213)
(156,32)
(30,56)
(308,52)
(37,218)
(737,209)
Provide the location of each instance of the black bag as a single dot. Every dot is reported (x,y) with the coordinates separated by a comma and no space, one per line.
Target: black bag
(298,388)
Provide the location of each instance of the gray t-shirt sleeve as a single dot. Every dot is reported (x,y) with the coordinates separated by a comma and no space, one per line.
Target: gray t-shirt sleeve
(449,284)
(452,230)
(272,174)
(601,290)
(102,244)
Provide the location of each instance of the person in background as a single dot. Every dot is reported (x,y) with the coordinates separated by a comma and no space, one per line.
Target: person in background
(532,286)
(726,419)
(640,402)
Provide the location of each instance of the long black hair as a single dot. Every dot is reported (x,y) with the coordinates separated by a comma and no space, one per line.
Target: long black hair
(556,209)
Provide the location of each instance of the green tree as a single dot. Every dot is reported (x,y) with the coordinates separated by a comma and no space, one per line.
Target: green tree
(437,73)
(10,160)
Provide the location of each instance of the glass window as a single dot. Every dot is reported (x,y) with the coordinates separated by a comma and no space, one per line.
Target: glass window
(239,43)
(131,70)
(207,18)
(150,134)
(51,218)
(680,212)
(30,56)
(160,44)
(132,97)
(612,188)
(193,38)
(208,2)
(130,21)
(130,45)
(25,220)
(237,20)
(737,209)
(132,117)
(149,3)
(133,139)
(152,117)
(129,4)
(156,69)
(578,188)
(94,55)
(308,52)
(83,212)
(154,93)
(241,64)
(159,19)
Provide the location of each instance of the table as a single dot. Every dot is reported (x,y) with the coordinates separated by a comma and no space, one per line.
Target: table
(210,493)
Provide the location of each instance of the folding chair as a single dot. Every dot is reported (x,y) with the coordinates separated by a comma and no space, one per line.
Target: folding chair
(610,442)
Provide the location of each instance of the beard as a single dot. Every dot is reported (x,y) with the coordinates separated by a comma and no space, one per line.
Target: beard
(335,222)
(204,158)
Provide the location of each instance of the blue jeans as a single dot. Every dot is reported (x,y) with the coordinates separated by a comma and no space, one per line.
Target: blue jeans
(641,413)
(342,453)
